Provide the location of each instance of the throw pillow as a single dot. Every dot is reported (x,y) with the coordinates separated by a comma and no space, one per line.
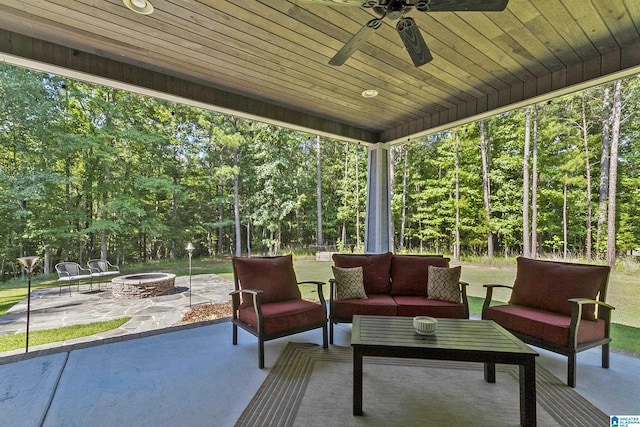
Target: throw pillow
(443,284)
(349,283)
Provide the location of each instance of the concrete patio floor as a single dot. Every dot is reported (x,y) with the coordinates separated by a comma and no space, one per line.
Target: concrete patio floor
(192,375)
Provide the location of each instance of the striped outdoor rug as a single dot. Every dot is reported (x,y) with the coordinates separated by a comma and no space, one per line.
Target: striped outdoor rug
(311,386)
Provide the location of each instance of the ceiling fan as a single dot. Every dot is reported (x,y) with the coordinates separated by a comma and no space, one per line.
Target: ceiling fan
(406,27)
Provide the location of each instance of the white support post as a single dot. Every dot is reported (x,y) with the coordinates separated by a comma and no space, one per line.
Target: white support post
(377,231)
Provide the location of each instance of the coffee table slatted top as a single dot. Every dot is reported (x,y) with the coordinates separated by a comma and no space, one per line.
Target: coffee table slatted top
(451,334)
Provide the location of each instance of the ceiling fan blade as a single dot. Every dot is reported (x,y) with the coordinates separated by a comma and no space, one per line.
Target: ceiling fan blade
(355,42)
(461,5)
(413,41)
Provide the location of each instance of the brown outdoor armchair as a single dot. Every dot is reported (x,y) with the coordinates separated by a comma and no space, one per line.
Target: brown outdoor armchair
(558,306)
(268,304)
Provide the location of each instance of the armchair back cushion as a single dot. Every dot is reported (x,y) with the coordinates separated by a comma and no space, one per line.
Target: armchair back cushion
(375,270)
(548,285)
(410,273)
(274,276)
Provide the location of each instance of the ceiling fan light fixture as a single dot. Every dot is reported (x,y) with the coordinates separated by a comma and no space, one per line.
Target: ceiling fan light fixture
(369,93)
(143,7)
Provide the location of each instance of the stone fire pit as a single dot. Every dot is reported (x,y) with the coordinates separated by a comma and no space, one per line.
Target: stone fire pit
(143,285)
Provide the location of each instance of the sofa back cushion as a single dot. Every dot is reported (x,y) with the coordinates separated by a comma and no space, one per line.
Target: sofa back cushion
(548,285)
(376,269)
(410,273)
(274,276)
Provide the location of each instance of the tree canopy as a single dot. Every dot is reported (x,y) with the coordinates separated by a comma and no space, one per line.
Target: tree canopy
(88,171)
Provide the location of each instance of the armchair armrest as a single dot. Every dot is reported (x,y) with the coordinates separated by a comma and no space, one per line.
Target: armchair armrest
(463,293)
(62,274)
(487,299)
(235,302)
(332,289)
(319,286)
(604,313)
(80,270)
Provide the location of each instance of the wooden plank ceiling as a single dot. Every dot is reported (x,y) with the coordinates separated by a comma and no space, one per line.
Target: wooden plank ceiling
(269,59)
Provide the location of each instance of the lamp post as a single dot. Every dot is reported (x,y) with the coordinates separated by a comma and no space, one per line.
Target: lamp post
(190,249)
(28,262)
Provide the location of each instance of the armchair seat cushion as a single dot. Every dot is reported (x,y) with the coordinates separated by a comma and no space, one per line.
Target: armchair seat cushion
(411,306)
(546,325)
(285,315)
(376,304)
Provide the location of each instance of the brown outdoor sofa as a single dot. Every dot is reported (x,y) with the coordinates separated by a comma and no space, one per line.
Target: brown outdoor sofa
(557,306)
(395,285)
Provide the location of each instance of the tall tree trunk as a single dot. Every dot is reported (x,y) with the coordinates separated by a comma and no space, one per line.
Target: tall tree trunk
(392,188)
(526,246)
(67,205)
(565,235)
(319,241)
(357,202)
(174,219)
(236,204)
(534,186)
(613,173)
(345,244)
(249,238)
(456,251)
(105,200)
(486,186)
(220,220)
(585,138)
(403,218)
(604,173)
(46,264)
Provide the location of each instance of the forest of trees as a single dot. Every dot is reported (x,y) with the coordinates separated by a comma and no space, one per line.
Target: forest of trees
(89,171)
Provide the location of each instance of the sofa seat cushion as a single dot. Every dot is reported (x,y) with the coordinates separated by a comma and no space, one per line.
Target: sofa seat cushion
(410,273)
(286,315)
(422,306)
(546,325)
(376,270)
(375,305)
(548,285)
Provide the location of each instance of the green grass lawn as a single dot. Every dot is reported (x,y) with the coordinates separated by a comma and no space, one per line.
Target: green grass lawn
(14,341)
(624,292)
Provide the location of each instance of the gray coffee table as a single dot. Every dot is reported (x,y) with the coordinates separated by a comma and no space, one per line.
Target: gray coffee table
(455,339)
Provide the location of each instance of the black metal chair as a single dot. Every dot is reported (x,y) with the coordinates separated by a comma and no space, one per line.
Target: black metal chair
(69,272)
